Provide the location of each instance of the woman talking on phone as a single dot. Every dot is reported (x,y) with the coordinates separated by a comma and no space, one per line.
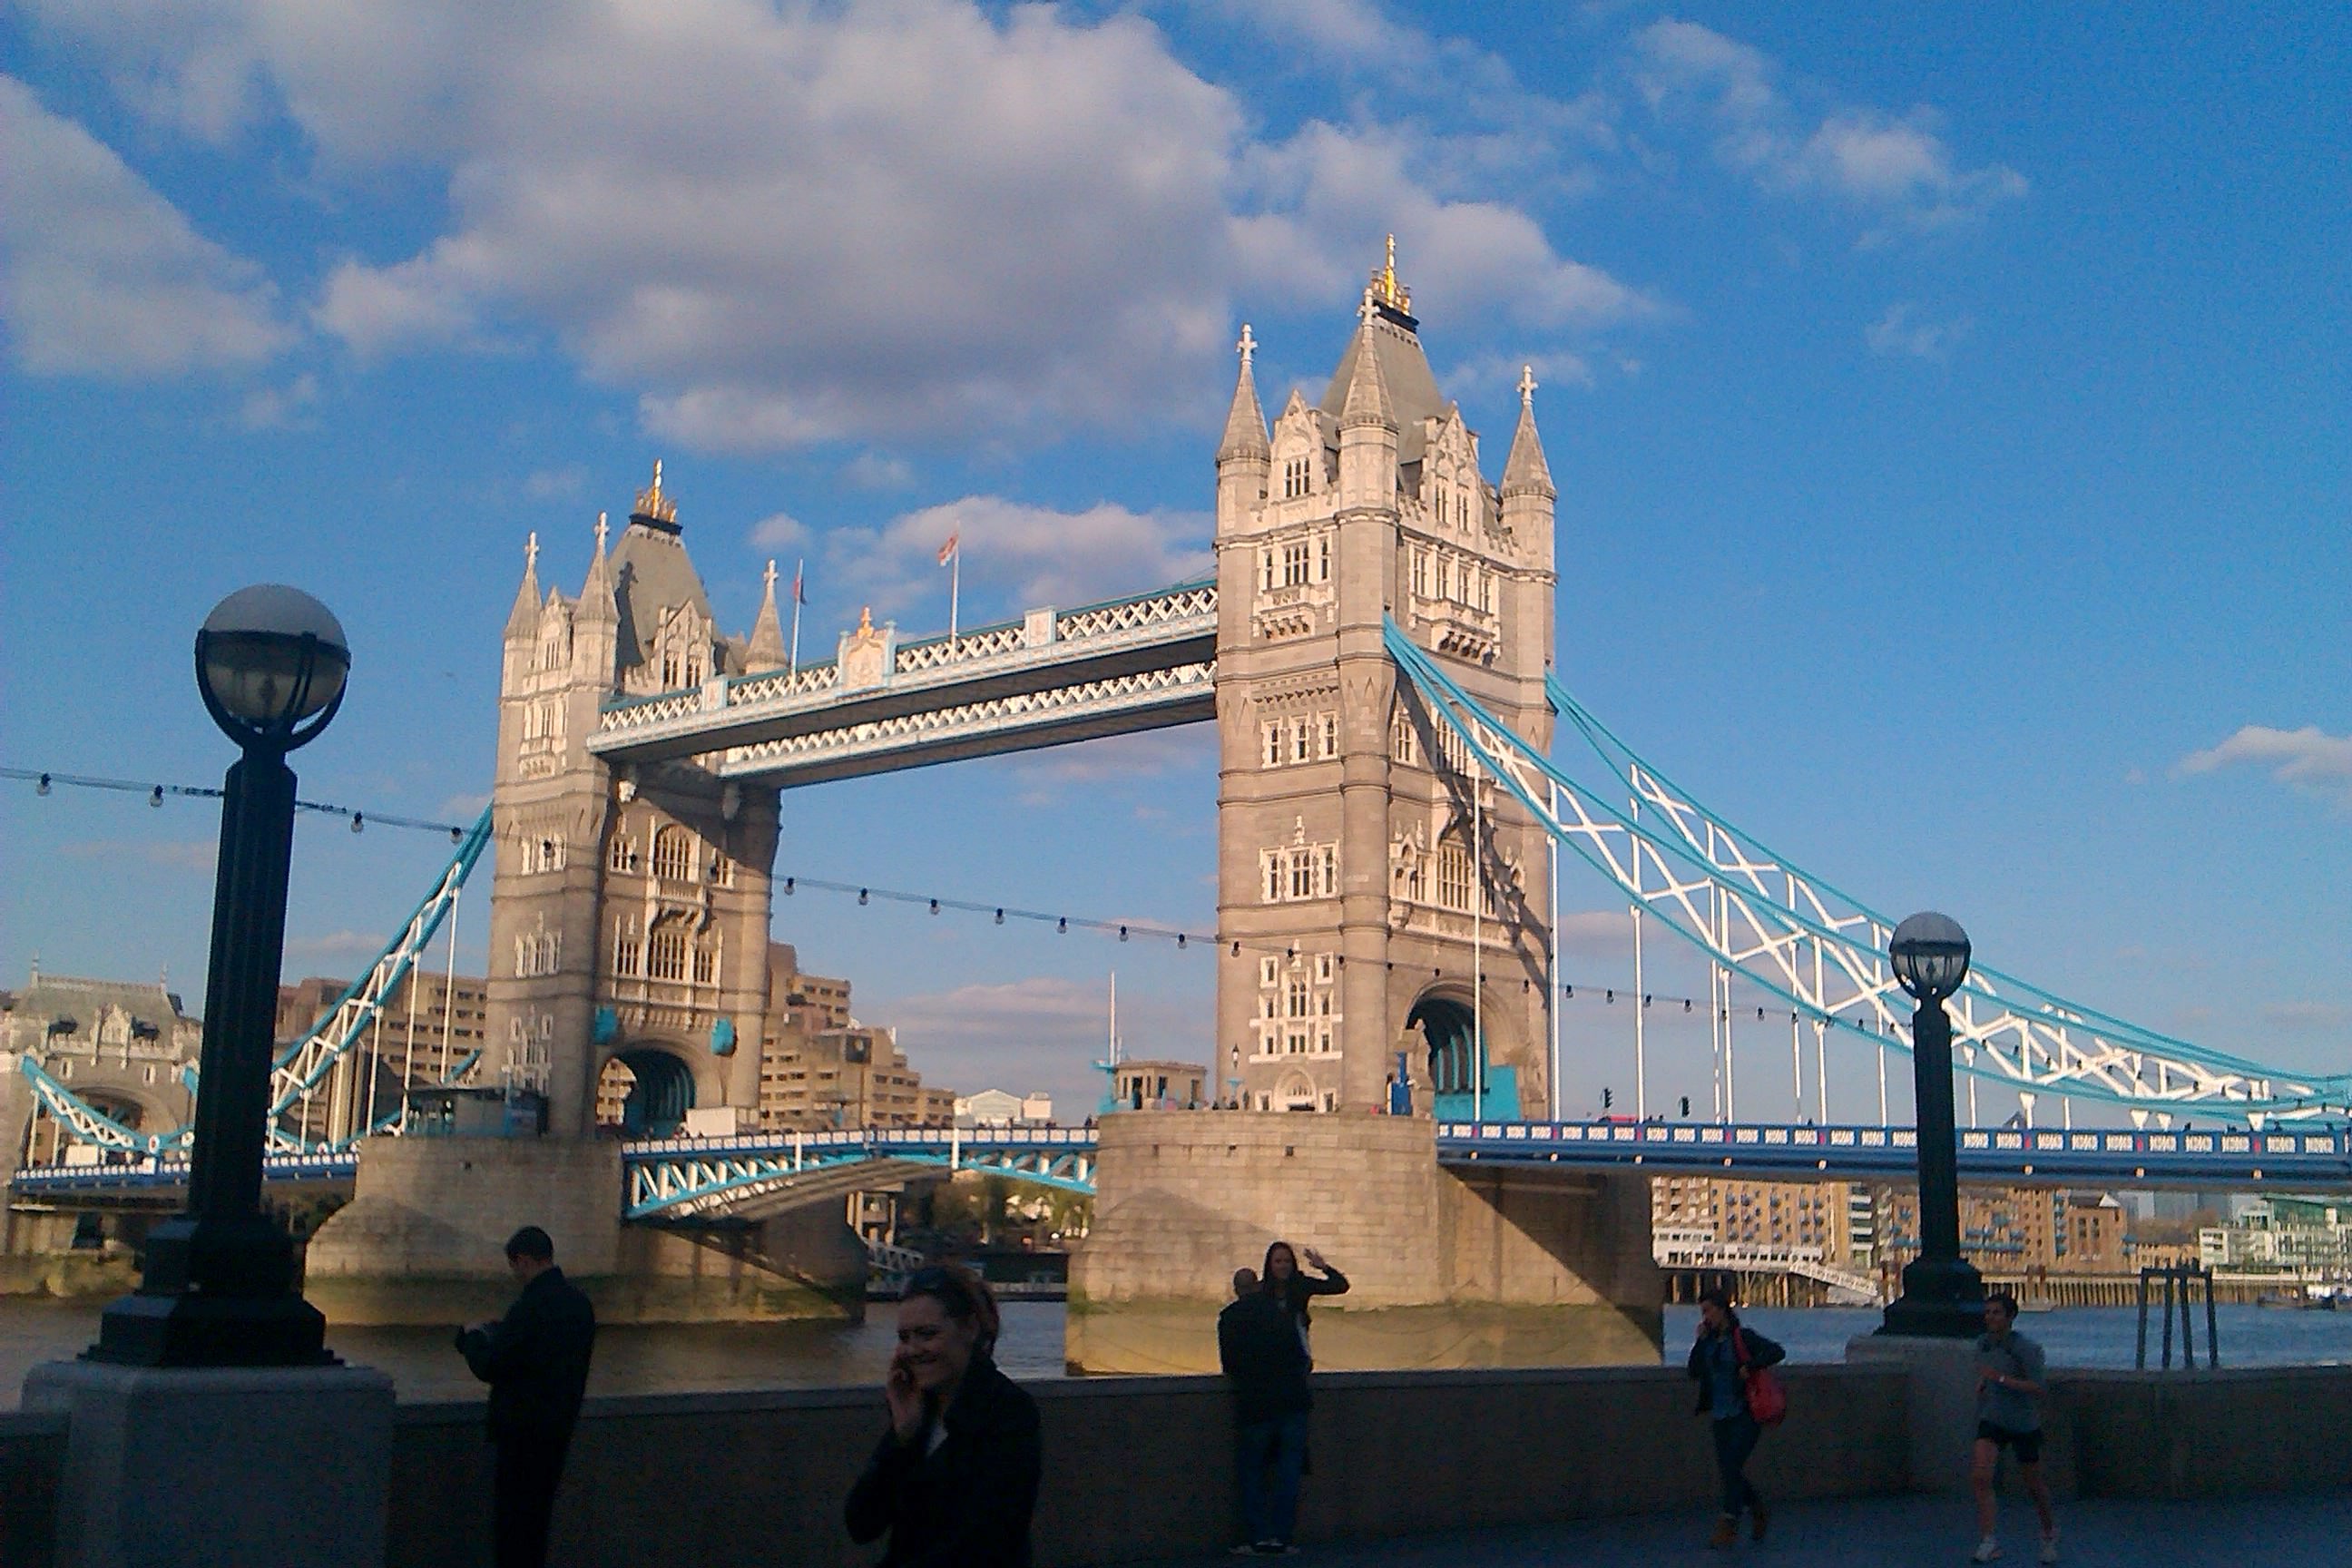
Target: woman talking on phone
(955,1481)
(1725,1359)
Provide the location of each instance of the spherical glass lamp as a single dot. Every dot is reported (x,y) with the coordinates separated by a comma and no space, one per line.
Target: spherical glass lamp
(271,662)
(1930,952)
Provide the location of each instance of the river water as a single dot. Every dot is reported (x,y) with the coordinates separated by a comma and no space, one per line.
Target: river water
(704,1357)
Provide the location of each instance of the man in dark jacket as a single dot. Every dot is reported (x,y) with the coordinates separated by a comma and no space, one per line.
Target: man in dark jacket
(1264,1360)
(535,1360)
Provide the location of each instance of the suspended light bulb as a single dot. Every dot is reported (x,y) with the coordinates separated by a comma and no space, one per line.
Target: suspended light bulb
(456,836)
(1237,950)
(1122,933)
(999,917)
(155,797)
(1180,942)
(359,822)
(788,886)
(42,787)
(935,906)
(1062,926)
(861,895)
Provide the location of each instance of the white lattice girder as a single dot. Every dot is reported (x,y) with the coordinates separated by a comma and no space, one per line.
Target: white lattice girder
(1792,936)
(1147,699)
(1047,651)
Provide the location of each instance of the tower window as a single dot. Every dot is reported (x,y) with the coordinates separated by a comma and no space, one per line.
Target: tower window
(622,857)
(674,855)
(1295,476)
(665,954)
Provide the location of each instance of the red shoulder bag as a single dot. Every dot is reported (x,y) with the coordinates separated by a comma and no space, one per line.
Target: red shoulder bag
(1768,1402)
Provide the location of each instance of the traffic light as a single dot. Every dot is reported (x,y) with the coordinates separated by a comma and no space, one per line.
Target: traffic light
(1686,1105)
(1607,1099)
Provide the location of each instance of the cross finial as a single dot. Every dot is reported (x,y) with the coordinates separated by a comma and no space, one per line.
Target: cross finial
(602,528)
(1247,347)
(530,552)
(1367,309)
(1526,387)
(768,579)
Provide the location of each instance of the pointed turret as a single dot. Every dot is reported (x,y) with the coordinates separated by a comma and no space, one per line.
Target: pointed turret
(1368,401)
(596,593)
(1367,421)
(1246,422)
(522,621)
(766,651)
(1524,472)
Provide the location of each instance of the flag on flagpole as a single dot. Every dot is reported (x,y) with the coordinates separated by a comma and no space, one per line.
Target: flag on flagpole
(799,596)
(948,551)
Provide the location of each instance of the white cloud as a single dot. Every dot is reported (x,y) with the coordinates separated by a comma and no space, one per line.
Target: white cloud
(875,471)
(1047,776)
(1025,555)
(335,944)
(779,530)
(556,484)
(465,807)
(1898,167)
(104,277)
(893,220)
(1040,1032)
(2307,1017)
(286,407)
(2309,759)
(1898,333)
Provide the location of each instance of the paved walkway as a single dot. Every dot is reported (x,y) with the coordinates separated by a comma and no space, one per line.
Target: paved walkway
(1894,1533)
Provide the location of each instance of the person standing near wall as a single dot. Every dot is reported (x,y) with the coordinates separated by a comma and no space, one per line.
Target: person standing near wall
(1266,1364)
(954,1478)
(2009,1416)
(1294,1291)
(535,1360)
(1723,1358)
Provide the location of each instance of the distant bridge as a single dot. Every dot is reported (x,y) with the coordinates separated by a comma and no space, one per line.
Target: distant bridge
(751,1177)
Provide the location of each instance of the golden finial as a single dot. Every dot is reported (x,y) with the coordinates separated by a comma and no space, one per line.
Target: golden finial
(1385,286)
(864,619)
(652,504)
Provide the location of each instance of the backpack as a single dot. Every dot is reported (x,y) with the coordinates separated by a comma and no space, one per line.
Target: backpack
(1768,1401)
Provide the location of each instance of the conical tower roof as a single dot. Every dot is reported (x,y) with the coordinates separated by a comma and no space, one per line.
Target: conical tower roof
(523,619)
(1246,421)
(1524,468)
(766,651)
(1390,334)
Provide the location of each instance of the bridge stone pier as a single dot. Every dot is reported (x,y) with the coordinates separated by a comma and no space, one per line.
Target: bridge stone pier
(1445,1270)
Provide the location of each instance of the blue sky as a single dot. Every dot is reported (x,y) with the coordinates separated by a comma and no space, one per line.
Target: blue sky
(1950,407)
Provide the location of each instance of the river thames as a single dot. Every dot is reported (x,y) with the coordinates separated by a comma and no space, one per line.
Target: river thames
(705,1357)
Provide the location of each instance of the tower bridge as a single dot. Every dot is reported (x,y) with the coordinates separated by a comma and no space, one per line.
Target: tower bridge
(1373,652)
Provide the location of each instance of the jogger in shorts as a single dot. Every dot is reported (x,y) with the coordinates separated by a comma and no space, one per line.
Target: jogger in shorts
(2009,1416)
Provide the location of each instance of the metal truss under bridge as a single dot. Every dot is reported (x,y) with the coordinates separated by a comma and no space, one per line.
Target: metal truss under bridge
(2302,1156)
(1760,919)
(747,1178)
(301,1069)
(1053,676)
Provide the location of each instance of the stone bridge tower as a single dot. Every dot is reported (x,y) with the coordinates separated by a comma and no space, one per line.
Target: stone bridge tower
(629,911)
(1376,897)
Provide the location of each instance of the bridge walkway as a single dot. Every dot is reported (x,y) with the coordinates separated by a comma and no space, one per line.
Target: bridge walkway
(1889,1532)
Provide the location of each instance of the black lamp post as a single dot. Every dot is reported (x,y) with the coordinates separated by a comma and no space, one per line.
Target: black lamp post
(1942,1295)
(218,1288)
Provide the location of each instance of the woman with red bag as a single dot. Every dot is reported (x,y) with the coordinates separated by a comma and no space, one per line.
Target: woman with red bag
(1741,1400)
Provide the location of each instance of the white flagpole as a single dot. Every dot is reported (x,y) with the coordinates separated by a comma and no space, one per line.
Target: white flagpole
(798,566)
(955,587)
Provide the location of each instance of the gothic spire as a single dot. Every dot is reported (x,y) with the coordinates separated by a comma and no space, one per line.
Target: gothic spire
(1245,424)
(1525,469)
(596,593)
(767,649)
(524,618)
(1368,401)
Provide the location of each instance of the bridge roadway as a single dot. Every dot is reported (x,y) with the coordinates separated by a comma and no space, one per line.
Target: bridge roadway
(746,1177)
